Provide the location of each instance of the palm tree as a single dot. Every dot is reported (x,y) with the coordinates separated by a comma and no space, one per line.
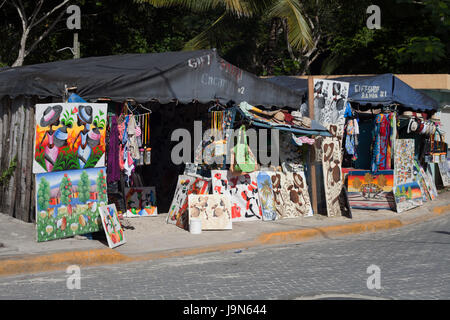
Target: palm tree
(288,11)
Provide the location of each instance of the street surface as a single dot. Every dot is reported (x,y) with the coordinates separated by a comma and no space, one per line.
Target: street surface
(414,263)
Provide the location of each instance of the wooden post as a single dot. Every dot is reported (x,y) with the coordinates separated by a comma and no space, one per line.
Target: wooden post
(313,163)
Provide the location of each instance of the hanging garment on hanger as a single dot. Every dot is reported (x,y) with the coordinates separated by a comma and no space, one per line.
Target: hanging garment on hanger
(113,169)
(381,142)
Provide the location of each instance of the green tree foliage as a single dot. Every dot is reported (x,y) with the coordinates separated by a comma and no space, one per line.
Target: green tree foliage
(65,188)
(101,186)
(43,194)
(83,188)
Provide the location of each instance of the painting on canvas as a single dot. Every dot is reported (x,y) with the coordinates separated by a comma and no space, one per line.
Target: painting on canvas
(69,136)
(111,225)
(332,174)
(371,190)
(140,202)
(67,202)
(330,99)
(266,198)
(403,161)
(214,210)
(242,191)
(180,194)
(199,186)
(407,196)
(444,172)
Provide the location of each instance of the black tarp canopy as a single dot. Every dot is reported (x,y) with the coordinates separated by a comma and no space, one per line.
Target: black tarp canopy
(184,76)
(383,89)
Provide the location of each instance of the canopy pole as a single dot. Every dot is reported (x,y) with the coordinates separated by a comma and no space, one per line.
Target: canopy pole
(313,163)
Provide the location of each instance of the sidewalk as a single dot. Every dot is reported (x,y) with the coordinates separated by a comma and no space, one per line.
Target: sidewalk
(152,238)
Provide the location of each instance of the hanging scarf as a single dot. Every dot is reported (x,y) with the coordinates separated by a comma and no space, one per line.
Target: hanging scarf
(380,160)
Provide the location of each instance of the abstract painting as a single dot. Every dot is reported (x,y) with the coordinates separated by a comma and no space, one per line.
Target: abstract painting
(213,209)
(332,174)
(330,99)
(140,202)
(67,202)
(112,226)
(242,191)
(291,195)
(371,190)
(266,198)
(187,185)
(69,136)
(407,196)
(403,161)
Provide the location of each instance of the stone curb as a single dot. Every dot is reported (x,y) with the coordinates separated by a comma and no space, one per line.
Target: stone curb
(60,261)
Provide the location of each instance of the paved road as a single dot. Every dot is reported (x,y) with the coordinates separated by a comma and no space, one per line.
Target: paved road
(414,262)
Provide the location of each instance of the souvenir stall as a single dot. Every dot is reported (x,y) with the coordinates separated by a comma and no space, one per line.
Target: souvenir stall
(112,142)
(390,135)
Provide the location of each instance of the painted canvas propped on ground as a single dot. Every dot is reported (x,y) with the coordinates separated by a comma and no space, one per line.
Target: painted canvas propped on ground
(69,136)
(444,172)
(112,226)
(332,174)
(140,202)
(67,202)
(371,190)
(403,161)
(214,210)
(266,198)
(407,196)
(242,191)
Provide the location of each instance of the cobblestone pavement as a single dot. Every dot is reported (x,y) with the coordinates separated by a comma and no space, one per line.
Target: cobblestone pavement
(414,263)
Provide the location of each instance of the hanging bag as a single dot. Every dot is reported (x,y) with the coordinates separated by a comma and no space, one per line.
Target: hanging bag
(245,162)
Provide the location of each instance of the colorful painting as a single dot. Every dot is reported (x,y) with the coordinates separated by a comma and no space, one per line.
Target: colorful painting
(141,202)
(330,99)
(332,174)
(69,136)
(213,209)
(67,202)
(444,172)
(266,198)
(242,191)
(181,215)
(403,161)
(420,179)
(112,226)
(371,190)
(407,196)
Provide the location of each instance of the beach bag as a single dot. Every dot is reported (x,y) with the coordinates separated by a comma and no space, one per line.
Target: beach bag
(244,161)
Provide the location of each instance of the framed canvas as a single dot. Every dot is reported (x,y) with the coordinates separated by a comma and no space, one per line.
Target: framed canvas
(69,136)
(140,202)
(444,172)
(403,161)
(111,225)
(214,210)
(67,202)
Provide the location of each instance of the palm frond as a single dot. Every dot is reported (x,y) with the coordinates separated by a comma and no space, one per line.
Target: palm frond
(299,32)
(203,40)
(193,5)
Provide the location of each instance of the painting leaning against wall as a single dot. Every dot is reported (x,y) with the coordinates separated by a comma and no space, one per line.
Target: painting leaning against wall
(69,136)
(67,202)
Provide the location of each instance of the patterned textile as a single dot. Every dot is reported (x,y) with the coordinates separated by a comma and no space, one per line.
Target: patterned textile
(382,141)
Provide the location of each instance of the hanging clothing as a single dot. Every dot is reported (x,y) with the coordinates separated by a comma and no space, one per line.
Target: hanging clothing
(381,147)
(113,169)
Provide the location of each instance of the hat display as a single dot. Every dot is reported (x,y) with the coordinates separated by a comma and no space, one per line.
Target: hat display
(50,115)
(413,125)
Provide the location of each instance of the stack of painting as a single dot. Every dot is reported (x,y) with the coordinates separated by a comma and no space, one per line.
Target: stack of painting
(140,202)
(69,162)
